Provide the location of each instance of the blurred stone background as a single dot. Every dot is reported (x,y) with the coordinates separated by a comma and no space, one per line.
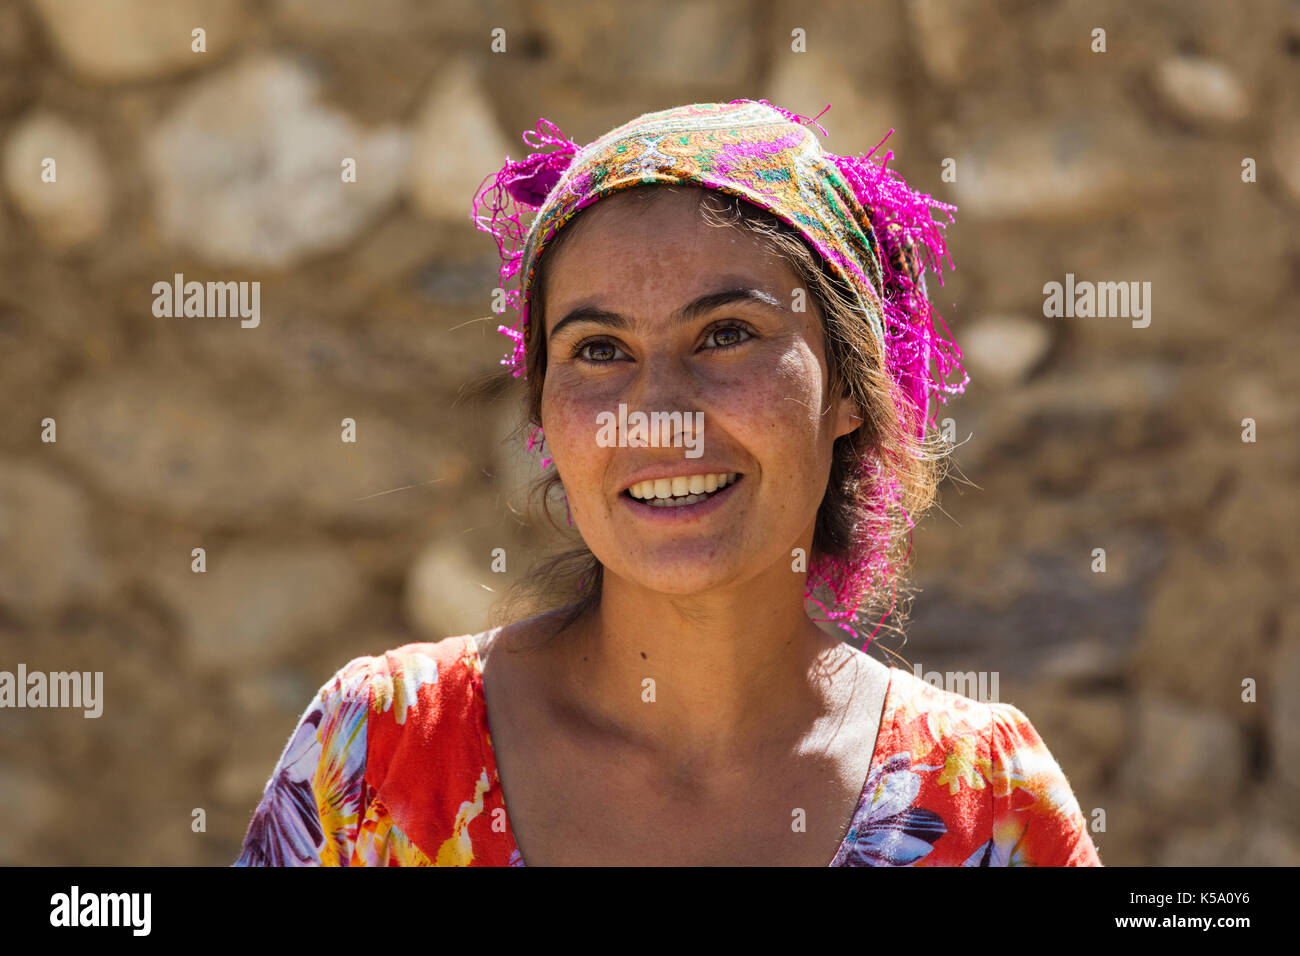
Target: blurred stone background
(375,295)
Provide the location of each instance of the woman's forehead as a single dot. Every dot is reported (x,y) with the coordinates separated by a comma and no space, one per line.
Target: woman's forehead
(601,273)
(663,225)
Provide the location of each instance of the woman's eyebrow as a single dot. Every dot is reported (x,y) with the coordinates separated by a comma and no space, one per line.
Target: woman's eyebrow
(687,313)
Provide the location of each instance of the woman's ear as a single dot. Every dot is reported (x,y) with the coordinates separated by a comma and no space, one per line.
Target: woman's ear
(847,416)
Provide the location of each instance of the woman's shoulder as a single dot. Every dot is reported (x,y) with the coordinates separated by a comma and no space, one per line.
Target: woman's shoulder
(946,714)
(422,698)
(435,683)
(397,680)
(937,717)
(431,690)
(381,764)
(425,675)
(981,780)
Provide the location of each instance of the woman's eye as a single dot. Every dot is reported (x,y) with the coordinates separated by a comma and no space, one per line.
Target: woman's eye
(729,340)
(604,352)
(598,348)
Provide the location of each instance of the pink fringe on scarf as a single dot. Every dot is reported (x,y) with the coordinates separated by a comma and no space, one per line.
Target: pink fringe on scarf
(909,240)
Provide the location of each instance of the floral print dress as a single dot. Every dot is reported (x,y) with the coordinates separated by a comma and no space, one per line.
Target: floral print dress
(392,765)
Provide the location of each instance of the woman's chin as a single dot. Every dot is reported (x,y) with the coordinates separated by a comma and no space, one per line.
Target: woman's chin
(682,570)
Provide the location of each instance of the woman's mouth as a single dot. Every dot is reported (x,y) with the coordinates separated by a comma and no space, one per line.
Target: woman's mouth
(686,505)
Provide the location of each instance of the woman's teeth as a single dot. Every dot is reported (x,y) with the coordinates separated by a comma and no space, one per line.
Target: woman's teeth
(680,491)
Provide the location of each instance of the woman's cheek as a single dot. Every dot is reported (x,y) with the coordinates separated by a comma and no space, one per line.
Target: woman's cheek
(791,401)
(782,395)
(569,424)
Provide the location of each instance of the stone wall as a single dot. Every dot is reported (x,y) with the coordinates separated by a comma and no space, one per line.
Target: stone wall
(174,434)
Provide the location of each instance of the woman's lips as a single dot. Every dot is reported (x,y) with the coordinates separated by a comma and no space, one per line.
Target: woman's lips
(680,513)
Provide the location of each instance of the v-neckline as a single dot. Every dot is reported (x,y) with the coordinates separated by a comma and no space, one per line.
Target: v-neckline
(887,712)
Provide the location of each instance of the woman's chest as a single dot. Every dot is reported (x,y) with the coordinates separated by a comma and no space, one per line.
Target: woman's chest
(597,813)
(575,802)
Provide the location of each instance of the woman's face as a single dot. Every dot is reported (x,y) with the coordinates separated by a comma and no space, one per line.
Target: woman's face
(754,367)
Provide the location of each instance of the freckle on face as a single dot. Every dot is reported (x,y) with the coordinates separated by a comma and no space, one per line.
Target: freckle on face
(761,400)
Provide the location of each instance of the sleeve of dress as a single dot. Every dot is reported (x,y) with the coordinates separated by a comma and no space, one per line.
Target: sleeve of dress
(1036,818)
(316,795)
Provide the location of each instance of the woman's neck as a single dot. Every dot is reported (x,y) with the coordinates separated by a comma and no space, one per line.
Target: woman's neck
(709,682)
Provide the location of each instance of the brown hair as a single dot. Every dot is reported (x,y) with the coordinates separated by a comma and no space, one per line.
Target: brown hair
(573,576)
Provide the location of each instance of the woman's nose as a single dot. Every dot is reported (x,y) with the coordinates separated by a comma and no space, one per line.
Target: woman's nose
(665,391)
(662,380)
(658,387)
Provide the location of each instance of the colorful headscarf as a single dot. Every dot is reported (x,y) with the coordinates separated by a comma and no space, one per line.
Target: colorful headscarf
(871,228)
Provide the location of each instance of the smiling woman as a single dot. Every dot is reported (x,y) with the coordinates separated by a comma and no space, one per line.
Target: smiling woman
(670,700)
(788,309)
